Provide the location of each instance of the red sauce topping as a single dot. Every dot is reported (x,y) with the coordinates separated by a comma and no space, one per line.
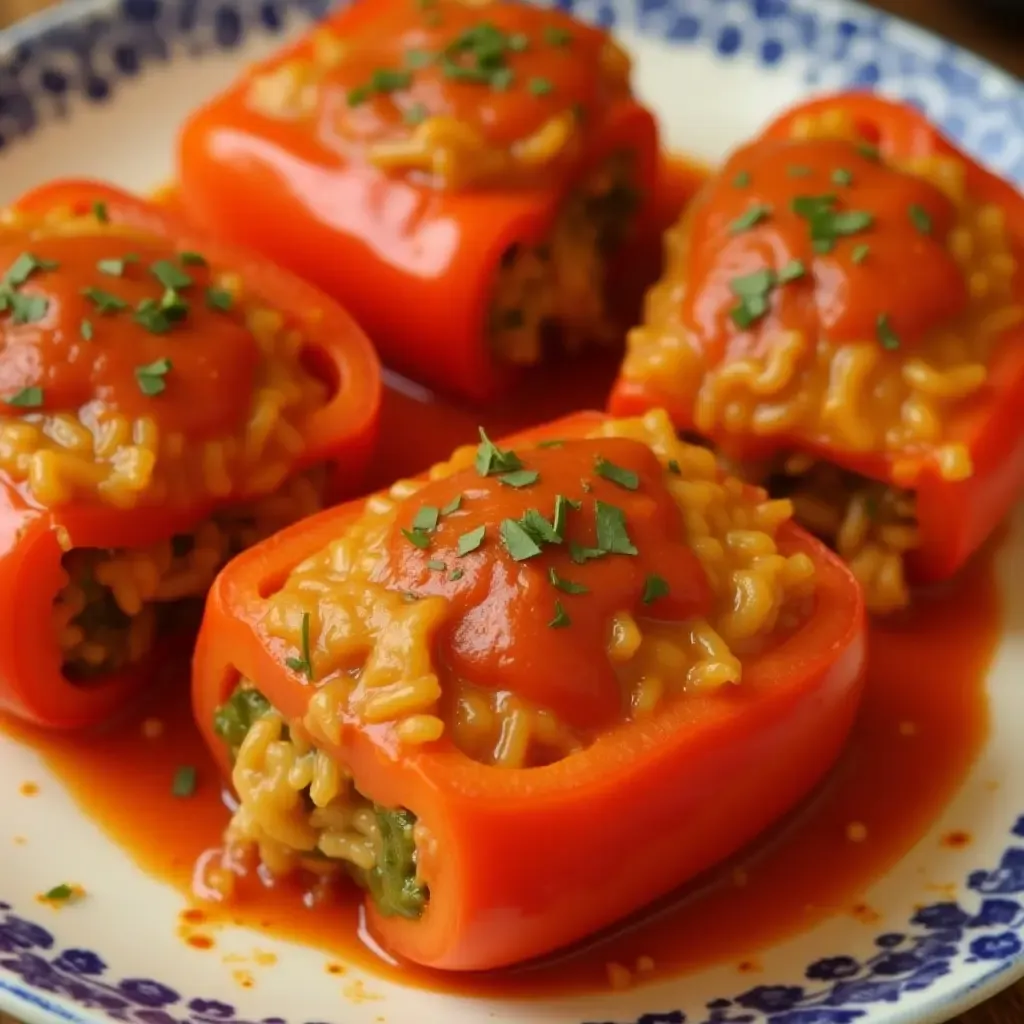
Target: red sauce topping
(860,239)
(497,637)
(91,328)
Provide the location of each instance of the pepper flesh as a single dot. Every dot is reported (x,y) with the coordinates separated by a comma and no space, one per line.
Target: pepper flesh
(427,258)
(33,537)
(522,861)
(954,517)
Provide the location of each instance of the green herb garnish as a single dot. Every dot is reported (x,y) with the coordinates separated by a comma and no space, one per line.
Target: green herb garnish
(85,329)
(920,218)
(556,36)
(59,893)
(612,535)
(491,459)
(539,528)
(519,478)
(150,377)
(425,520)
(540,86)
(305,663)
(581,555)
(673,467)
(624,478)
(192,259)
(842,176)
(566,586)
(417,538)
(471,540)
(453,506)
(742,179)
(792,271)
(798,171)
(751,216)
(436,564)
(219,299)
(27,398)
(561,619)
(518,541)
(104,301)
(860,253)
(170,275)
(654,587)
(184,784)
(455,574)
(414,115)
(99,211)
(887,337)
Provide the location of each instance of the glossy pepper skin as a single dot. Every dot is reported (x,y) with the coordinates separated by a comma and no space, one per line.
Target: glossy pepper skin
(34,538)
(415,264)
(526,861)
(955,517)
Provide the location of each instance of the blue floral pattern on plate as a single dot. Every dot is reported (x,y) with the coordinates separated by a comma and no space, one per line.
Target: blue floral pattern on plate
(65,59)
(836,989)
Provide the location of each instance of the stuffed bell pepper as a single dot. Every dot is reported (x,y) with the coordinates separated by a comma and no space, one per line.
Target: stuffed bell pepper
(525,695)
(842,313)
(458,174)
(165,402)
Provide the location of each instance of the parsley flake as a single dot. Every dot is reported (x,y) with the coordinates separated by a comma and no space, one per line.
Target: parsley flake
(170,275)
(105,302)
(27,398)
(842,176)
(426,519)
(556,36)
(792,271)
(920,218)
(471,540)
(580,554)
(100,212)
(673,467)
(561,619)
(518,541)
(305,663)
(112,268)
(453,506)
(860,253)
(414,115)
(798,171)
(519,478)
(491,459)
(539,528)
(540,86)
(742,179)
(624,478)
(150,377)
(184,784)
(417,538)
(612,535)
(749,218)
(85,330)
(553,443)
(192,259)
(436,564)
(887,337)
(59,893)
(654,587)
(566,586)
(219,299)
(455,575)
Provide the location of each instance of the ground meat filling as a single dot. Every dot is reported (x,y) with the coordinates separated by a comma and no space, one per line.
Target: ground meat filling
(118,602)
(553,295)
(301,810)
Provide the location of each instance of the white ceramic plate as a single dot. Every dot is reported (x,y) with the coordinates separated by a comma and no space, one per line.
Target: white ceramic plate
(97,89)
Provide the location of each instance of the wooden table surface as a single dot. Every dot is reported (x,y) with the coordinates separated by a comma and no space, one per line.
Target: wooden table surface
(962,22)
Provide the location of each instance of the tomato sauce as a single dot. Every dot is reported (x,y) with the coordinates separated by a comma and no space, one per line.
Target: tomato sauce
(913,743)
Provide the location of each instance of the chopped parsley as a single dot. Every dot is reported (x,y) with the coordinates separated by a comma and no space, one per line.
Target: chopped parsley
(562,506)
(561,619)
(887,337)
(150,377)
(920,218)
(490,459)
(556,442)
(112,267)
(27,398)
(556,36)
(417,538)
(99,211)
(455,574)
(742,179)
(673,467)
(749,218)
(624,478)
(382,82)
(170,275)
(540,86)
(792,271)
(842,176)
(868,151)
(436,564)
(612,536)
(303,664)
(184,783)
(453,506)
(752,292)
(828,225)
(798,171)
(539,528)
(471,540)
(59,893)
(85,330)
(519,478)
(566,586)
(860,253)
(518,541)
(219,299)
(104,301)
(581,555)
(426,519)
(192,259)
(654,587)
